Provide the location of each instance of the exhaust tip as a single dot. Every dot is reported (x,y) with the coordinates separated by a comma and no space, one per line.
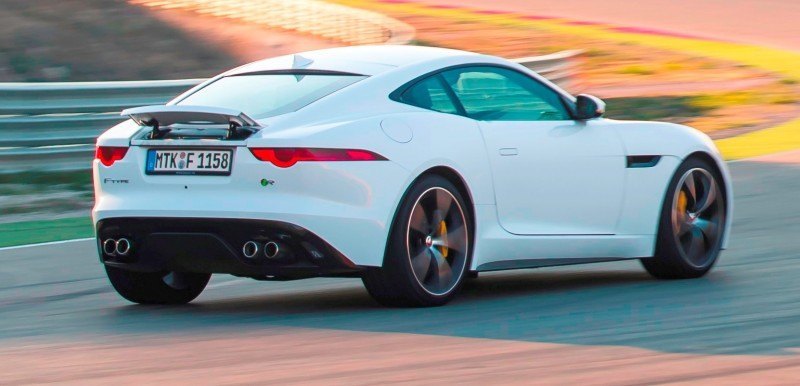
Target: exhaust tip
(110,247)
(271,249)
(250,249)
(123,246)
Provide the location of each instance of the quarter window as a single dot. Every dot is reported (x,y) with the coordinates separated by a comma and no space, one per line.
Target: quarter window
(429,94)
(499,94)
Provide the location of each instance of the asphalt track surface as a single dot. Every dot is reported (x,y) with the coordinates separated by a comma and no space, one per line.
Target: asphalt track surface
(595,324)
(770,23)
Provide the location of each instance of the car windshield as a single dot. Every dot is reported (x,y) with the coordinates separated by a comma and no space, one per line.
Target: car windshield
(268,95)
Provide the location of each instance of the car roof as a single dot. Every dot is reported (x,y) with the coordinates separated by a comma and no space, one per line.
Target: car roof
(365,60)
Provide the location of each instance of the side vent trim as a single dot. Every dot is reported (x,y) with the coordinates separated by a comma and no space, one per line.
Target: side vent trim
(643,161)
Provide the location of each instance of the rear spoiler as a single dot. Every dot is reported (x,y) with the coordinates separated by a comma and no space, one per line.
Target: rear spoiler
(162,115)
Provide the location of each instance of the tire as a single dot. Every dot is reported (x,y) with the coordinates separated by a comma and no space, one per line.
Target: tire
(157,287)
(428,250)
(692,223)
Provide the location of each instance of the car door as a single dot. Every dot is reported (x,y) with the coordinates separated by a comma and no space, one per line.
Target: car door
(552,175)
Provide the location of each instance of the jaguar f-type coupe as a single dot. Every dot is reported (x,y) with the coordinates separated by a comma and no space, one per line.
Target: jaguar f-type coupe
(412,168)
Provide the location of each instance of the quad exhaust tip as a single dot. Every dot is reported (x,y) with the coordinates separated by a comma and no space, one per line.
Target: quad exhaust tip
(110,247)
(271,250)
(123,247)
(119,247)
(250,249)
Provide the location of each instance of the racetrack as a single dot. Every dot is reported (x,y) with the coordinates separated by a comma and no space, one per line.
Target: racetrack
(595,324)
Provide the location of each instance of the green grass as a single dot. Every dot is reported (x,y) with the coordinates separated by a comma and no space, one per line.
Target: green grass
(42,182)
(32,232)
(656,108)
(73,178)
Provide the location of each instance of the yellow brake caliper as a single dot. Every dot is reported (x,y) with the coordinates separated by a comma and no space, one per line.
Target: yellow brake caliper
(682,201)
(443,236)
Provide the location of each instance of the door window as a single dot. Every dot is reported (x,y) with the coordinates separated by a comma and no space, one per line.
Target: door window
(499,94)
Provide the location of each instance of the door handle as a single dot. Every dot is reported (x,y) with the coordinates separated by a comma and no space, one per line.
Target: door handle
(506,151)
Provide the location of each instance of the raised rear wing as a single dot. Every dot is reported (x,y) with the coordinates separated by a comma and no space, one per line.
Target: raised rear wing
(162,115)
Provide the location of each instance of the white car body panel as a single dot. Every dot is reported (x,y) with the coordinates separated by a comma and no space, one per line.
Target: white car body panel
(580,163)
(593,213)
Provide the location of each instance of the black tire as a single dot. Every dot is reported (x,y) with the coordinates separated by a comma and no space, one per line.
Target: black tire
(439,239)
(689,237)
(152,287)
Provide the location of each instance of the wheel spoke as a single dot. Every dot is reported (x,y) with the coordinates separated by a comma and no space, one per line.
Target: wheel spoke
(436,220)
(691,189)
(708,228)
(683,225)
(444,202)
(428,204)
(709,198)
(419,221)
(696,248)
(421,263)
(456,239)
(443,271)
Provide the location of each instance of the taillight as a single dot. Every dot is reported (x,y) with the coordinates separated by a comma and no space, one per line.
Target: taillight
(110,154)
(284,157)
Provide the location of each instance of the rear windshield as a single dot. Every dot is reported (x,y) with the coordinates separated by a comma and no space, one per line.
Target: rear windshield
(266,95)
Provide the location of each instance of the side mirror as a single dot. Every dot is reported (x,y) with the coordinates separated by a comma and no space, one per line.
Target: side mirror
(588,107)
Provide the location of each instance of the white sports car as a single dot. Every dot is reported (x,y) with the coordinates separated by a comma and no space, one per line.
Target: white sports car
(409,167)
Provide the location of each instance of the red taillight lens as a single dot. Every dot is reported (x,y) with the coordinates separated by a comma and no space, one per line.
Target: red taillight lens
(110,154)
(284,157)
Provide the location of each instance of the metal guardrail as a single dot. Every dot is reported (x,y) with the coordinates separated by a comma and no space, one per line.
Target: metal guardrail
(53,126)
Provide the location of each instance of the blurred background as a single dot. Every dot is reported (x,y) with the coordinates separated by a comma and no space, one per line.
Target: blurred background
(729,68)
(655,61)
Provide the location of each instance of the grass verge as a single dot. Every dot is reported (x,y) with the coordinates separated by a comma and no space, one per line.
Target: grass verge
(32,232)
(655,108)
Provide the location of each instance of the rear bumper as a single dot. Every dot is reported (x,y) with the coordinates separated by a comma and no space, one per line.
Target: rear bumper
(215,246)
(348,204)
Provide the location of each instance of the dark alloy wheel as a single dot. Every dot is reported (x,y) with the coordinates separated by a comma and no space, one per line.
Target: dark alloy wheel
(428,249)
(157,287)
(692,223)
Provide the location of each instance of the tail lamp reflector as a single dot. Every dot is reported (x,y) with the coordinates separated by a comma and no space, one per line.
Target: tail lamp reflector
(284,157)
(110,154)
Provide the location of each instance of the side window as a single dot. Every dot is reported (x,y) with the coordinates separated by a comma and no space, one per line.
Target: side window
(499,94)
(429,94)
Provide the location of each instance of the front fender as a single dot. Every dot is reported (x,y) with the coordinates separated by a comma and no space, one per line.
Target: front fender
(682,142)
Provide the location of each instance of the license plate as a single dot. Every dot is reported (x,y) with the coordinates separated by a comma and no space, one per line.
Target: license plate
(189,161)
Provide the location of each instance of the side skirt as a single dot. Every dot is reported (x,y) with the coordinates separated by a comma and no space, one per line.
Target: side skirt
(539,263)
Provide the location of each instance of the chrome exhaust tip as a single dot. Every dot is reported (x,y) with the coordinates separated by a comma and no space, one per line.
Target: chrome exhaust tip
(250,249)
(123,246)
(272,249)
(110,247)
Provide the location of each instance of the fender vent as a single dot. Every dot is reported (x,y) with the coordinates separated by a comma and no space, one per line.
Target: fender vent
(643,161)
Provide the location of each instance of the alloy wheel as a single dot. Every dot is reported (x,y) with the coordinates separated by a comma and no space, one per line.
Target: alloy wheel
(697,217)
(437,241)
